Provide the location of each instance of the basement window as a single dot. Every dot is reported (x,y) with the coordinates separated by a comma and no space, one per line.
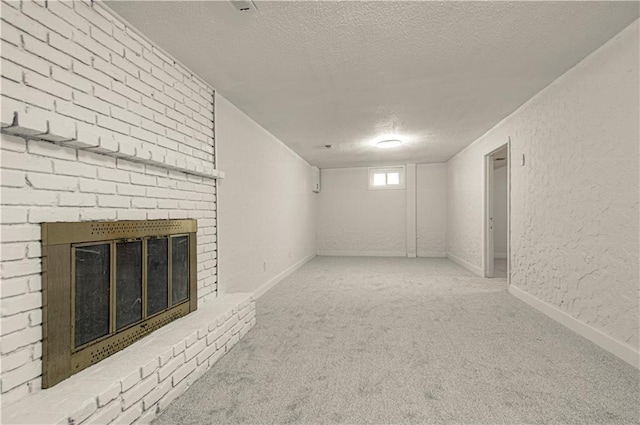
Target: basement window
(386,178)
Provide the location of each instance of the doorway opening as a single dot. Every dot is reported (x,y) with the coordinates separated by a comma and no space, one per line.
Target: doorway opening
(497,213)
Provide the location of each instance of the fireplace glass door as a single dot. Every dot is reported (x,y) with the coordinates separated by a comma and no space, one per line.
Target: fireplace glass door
(121,283)
(93,294)
(108,284)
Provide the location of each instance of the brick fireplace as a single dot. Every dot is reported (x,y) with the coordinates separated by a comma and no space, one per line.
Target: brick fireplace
(107,284)
(98,124)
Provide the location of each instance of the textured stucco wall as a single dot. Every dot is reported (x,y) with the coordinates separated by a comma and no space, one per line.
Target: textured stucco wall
(574,219)
(431,205)
(353,220)
(265,203)
(500,212)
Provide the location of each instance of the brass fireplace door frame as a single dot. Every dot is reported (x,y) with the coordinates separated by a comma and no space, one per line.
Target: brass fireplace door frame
(60,359)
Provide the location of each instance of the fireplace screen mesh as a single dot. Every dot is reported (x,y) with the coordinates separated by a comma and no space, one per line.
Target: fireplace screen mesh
(128,283)
(180,271)
(158,275)
(91,298)
(108,284)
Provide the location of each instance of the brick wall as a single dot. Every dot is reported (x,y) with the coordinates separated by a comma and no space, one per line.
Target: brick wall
(98,124)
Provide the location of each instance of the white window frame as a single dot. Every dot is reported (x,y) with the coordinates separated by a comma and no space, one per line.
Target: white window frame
(401,169)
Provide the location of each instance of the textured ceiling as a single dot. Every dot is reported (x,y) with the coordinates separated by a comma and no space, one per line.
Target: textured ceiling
(438,74)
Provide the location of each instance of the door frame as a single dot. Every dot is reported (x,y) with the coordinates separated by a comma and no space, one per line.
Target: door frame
(488,246)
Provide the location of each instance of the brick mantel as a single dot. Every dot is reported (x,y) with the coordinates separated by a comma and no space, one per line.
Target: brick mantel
(39,125)
(97,124)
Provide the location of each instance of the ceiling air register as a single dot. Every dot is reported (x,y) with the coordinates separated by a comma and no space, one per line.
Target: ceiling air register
(108,284)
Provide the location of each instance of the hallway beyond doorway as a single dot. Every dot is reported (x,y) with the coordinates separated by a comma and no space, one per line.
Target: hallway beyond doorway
(382,340)
(500,268)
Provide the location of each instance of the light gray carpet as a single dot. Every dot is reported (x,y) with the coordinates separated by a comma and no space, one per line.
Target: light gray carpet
(398,340)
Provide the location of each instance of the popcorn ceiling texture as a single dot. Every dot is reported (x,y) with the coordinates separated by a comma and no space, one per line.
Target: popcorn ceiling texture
(440,73)
(134,141)
(574,225)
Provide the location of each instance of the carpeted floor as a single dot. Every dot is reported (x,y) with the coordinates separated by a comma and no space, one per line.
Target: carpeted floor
(399,340)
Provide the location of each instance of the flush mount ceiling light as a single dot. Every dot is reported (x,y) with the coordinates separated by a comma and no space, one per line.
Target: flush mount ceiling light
(386,144)
(244,5)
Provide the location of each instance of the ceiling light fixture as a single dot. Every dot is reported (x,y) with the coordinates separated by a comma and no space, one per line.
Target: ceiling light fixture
(386,144)
(244,5)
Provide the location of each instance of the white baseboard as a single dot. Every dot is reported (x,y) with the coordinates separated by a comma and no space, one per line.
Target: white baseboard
(277,278)
(615,347)
(500,255)
(411,255)
(362,253)
(475,269)
(432,254)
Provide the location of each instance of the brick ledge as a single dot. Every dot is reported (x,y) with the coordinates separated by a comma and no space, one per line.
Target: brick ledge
(47,126)
(135,384)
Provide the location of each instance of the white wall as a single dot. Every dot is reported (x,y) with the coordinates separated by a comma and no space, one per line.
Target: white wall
(500,212)
(266,209)
(353,220)
(431,191)
(574,222)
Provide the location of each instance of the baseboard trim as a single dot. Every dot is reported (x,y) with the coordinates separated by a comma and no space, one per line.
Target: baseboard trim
(412,254)
(613,346)
(277,278)
(466,264)
(362,253)
(432,254)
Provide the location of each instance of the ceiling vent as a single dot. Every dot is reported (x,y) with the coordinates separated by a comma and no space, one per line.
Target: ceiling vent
(244,5)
